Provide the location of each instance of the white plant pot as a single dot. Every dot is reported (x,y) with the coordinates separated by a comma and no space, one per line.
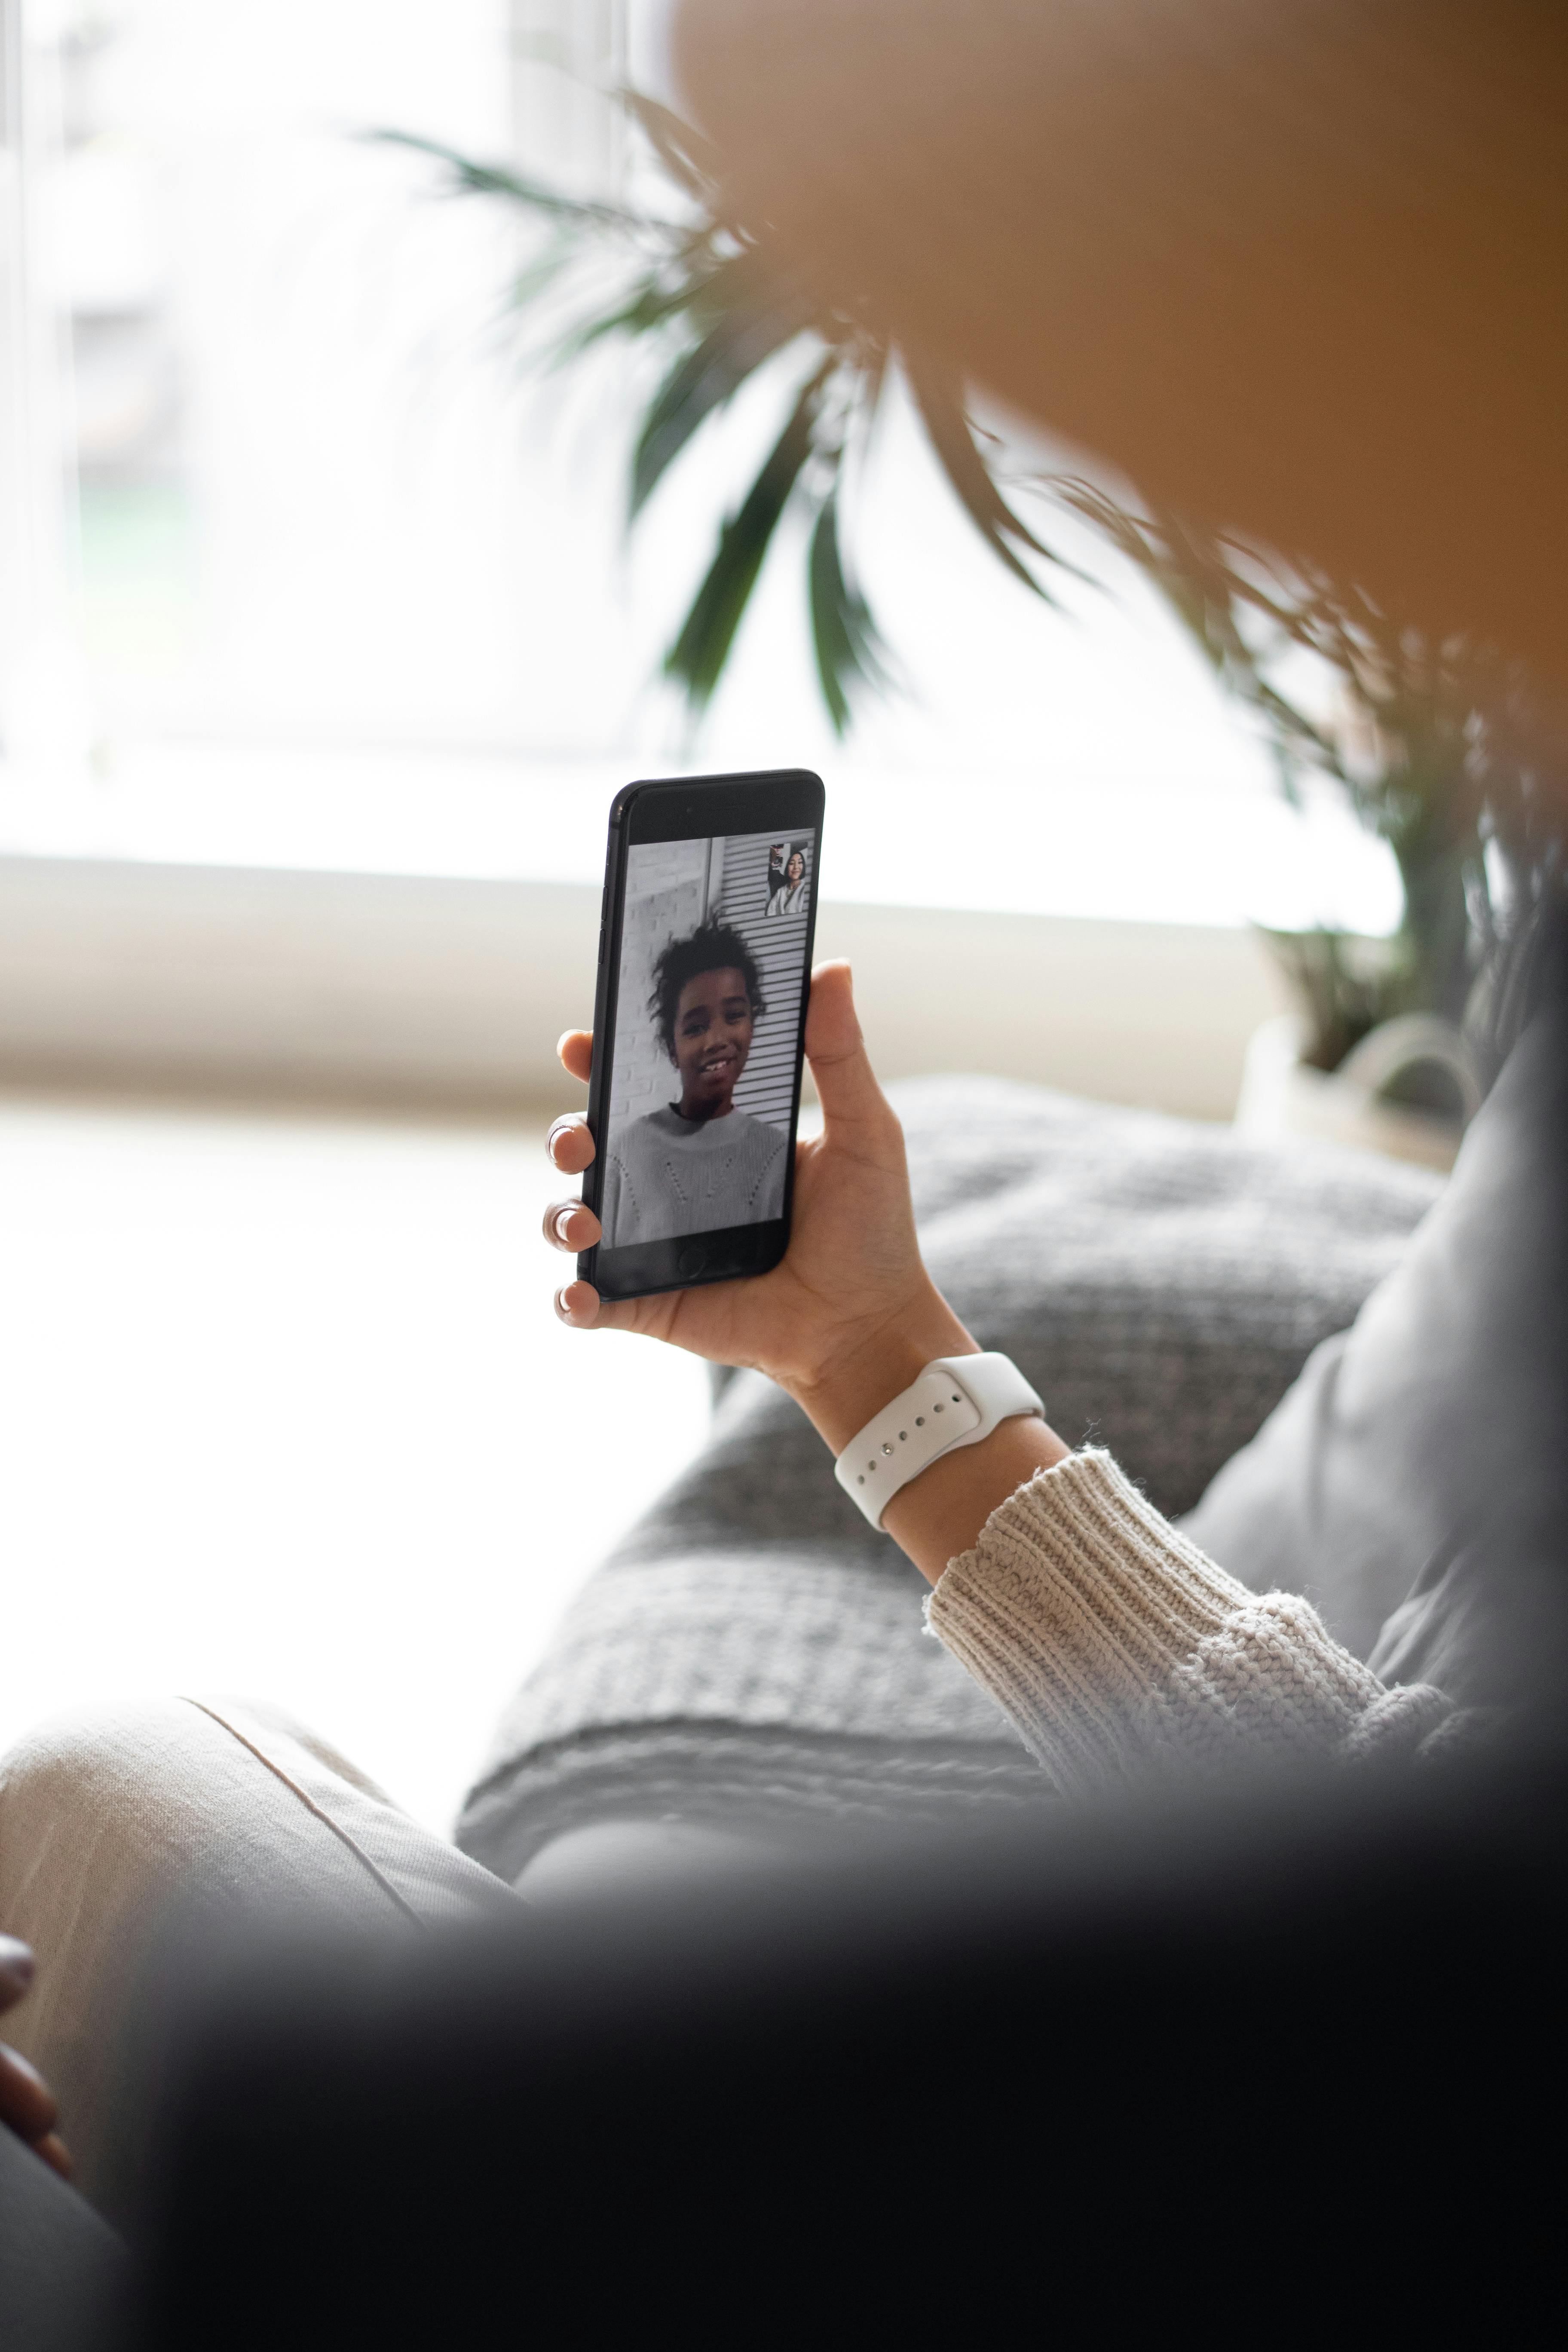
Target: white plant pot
(1281,1094)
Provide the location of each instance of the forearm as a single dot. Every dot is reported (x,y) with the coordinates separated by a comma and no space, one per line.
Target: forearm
(1117,1647)
(1113,1645)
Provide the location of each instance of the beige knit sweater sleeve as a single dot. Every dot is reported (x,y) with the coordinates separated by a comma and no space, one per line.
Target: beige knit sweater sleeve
(1117,1647)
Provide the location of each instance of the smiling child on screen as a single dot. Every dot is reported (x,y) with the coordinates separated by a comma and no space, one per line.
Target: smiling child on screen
(699,1164)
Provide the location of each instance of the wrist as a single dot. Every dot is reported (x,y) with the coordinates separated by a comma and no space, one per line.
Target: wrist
(942,1513)
(867,1374)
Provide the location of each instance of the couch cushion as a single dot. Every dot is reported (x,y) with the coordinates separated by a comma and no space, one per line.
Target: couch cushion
(754,1651)
(1414,1484)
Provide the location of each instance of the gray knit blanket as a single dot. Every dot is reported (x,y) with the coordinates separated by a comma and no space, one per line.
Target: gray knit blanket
(754,1656)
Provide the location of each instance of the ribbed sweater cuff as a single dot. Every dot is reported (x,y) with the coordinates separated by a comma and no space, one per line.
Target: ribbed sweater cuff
(1110,1639)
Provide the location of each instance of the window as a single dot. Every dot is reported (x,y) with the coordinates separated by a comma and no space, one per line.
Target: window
(296,571)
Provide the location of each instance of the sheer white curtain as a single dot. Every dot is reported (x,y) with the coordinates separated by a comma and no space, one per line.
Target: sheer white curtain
(312,502)
(39,674)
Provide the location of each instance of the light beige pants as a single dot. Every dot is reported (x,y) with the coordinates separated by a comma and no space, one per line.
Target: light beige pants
(113,1821)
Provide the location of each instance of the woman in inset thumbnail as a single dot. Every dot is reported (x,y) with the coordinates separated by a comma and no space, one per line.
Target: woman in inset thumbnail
(789,897)
(699,1164)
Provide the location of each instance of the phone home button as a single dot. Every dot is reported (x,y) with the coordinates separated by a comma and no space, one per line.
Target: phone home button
(692,1262)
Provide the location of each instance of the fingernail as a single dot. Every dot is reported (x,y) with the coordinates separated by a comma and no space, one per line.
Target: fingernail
(563,1219)
(561,1306)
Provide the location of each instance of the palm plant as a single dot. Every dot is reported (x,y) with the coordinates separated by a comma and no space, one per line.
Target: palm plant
(721,302)
(1435,746)
(1441,750)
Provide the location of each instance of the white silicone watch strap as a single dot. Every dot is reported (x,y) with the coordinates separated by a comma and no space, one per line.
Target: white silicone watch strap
(956,1400)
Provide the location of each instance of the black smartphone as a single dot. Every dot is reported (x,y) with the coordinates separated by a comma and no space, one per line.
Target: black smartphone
(705,939)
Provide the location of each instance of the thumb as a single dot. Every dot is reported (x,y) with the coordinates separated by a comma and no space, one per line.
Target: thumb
(845,1083)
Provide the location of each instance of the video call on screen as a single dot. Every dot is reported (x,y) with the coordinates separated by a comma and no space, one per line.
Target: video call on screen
(713,947)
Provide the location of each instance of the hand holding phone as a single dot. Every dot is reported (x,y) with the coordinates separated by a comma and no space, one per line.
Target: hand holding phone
(849,1315)
(798,1259)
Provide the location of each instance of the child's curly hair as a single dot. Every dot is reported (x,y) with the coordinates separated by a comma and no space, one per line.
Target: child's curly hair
(711,947)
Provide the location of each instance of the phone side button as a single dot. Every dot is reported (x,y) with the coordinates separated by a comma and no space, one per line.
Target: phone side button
(601,943)
(692,1262)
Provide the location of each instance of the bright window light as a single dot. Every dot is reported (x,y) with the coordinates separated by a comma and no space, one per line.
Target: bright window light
(341,586)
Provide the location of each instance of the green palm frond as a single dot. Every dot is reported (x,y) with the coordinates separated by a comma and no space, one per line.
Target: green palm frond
(696,658)
(1209,594)
(703,377)
(939,396)
(680,147)
(472,179)
(654,302)
(845,638)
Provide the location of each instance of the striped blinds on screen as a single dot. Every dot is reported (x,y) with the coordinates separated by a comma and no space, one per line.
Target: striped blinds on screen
(778,943)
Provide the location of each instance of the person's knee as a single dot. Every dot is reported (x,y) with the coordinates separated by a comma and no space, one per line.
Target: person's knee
(101,1811)
(80,1780)
(106,1811)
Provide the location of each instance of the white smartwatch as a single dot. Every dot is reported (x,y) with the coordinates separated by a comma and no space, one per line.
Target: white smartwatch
(957,1401)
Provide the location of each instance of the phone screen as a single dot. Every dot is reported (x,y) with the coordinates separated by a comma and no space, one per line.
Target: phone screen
(696,1110)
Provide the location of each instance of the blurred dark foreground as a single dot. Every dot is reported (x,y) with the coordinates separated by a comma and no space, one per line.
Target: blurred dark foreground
(1297,2046)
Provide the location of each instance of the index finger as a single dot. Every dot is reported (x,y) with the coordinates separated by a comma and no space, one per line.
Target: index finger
(570,1145)
(576,1049)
